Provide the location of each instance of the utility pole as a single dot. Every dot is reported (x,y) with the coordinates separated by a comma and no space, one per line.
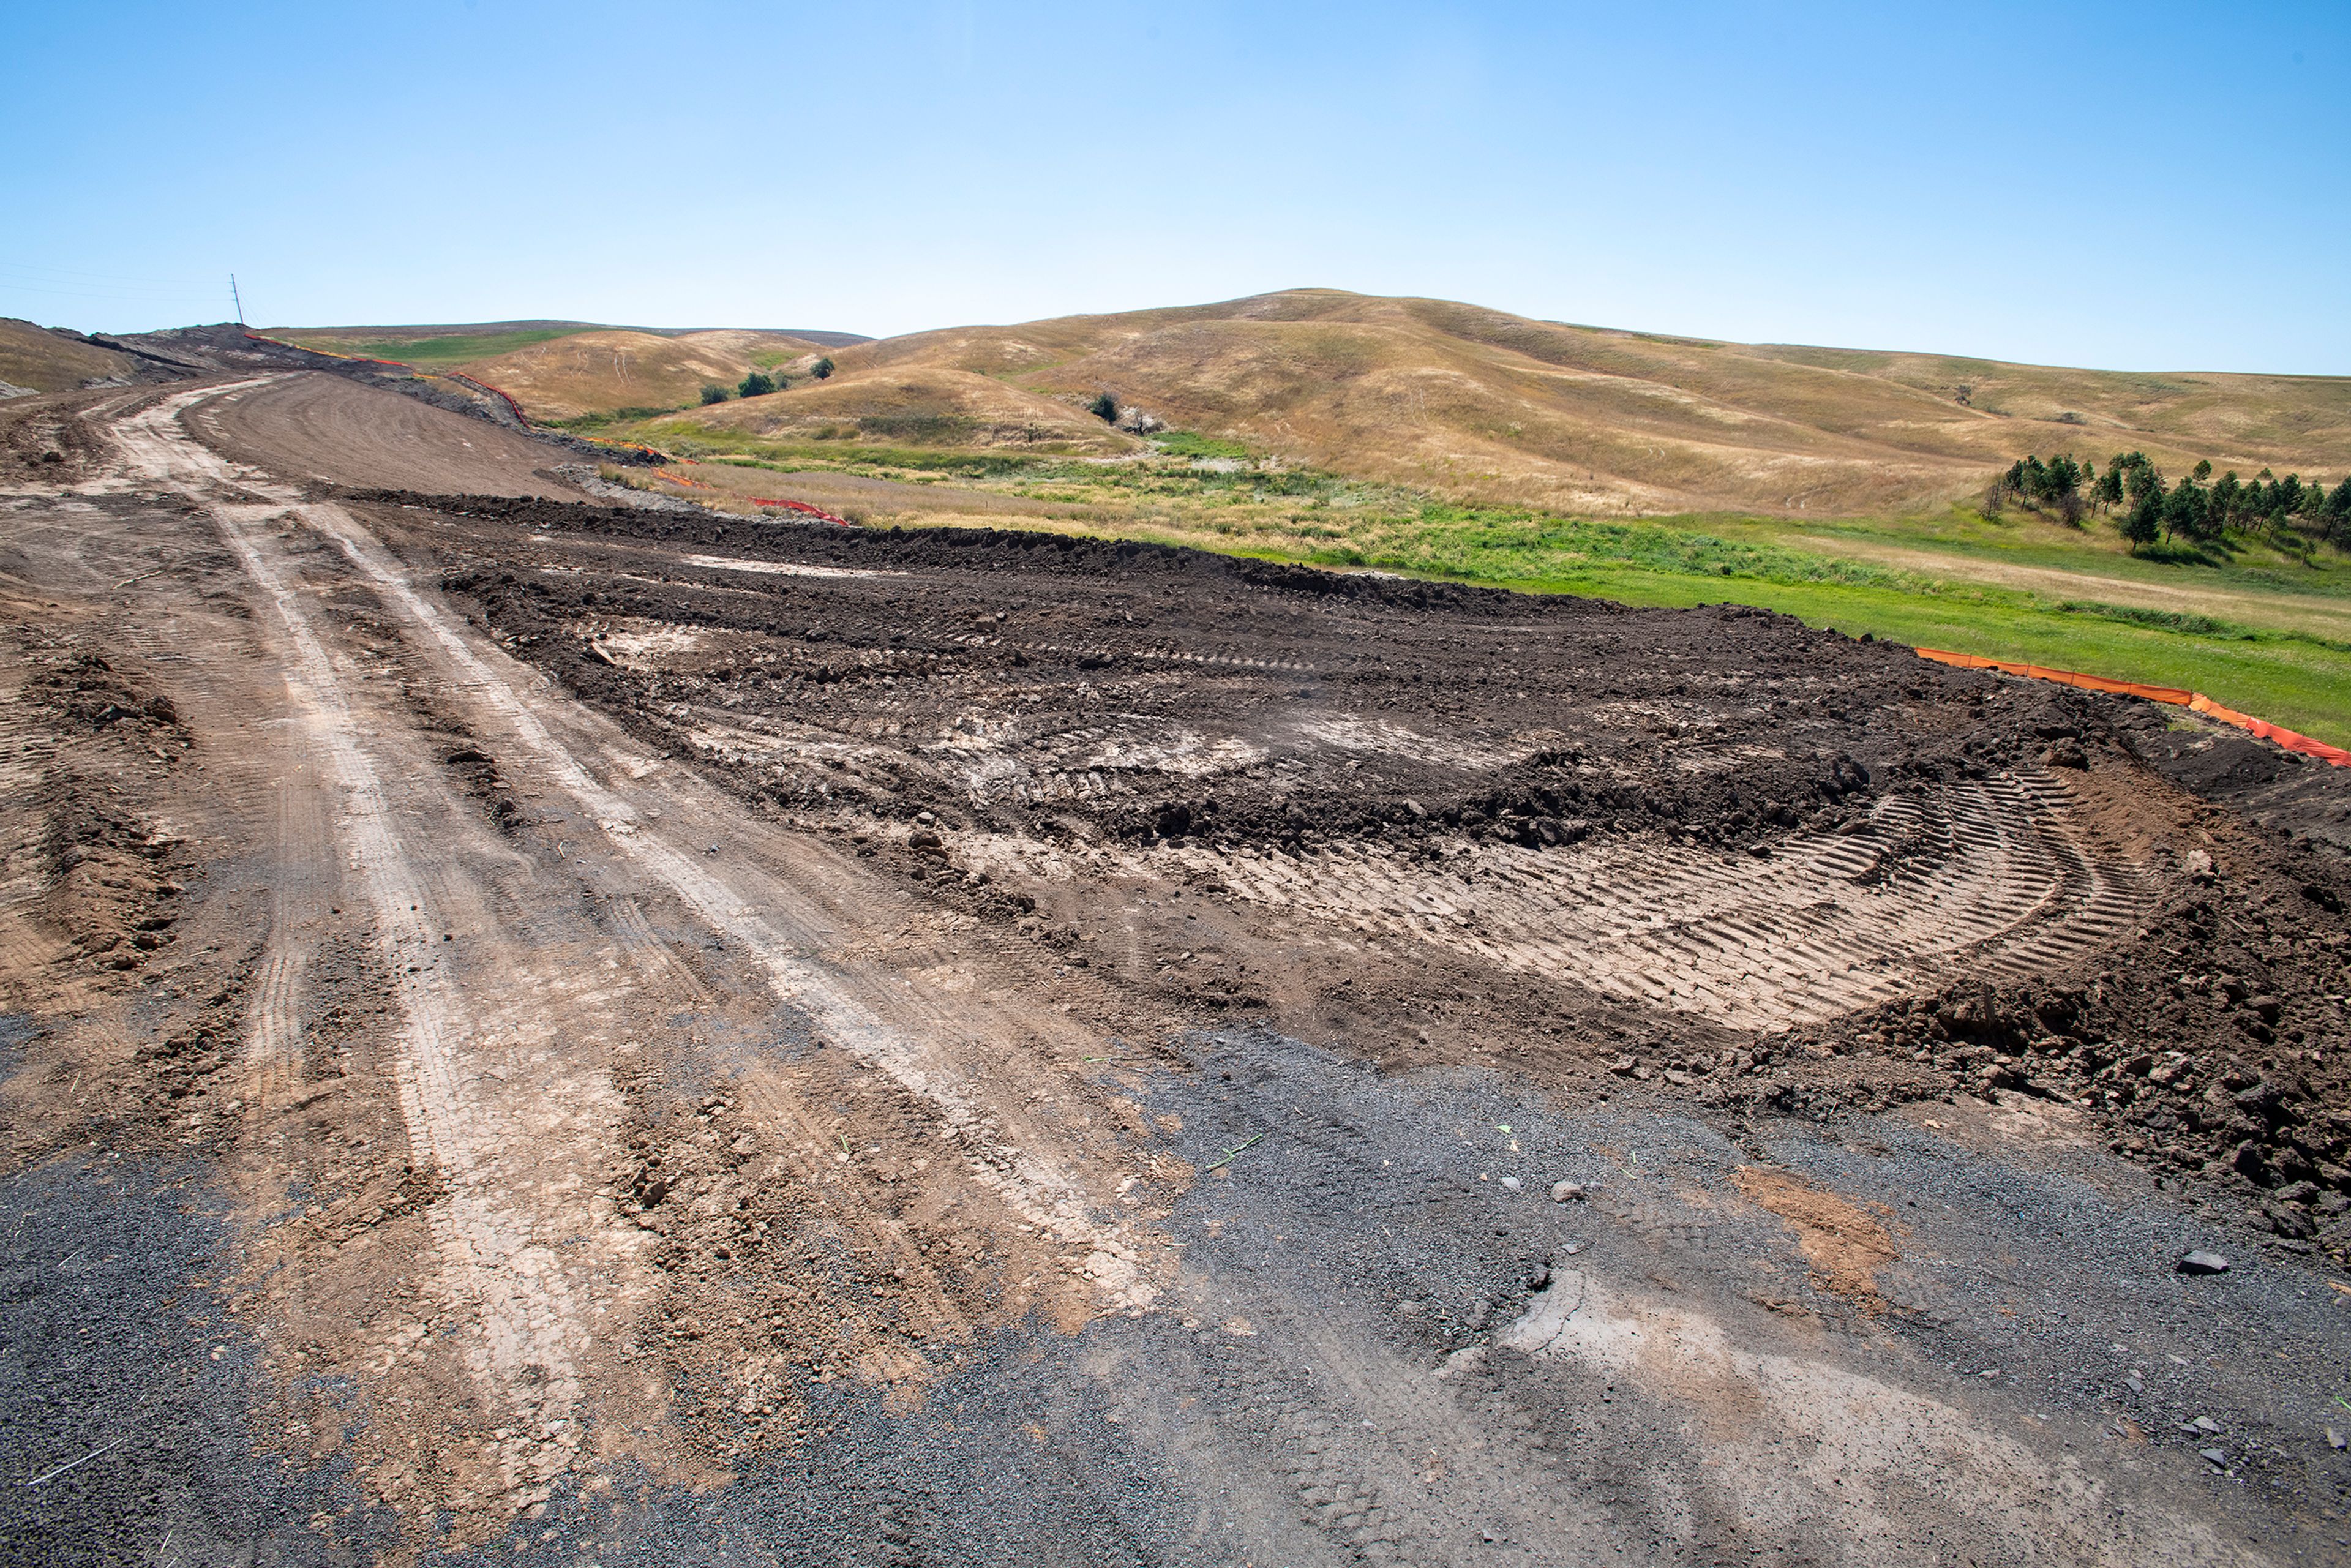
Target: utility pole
(233,294)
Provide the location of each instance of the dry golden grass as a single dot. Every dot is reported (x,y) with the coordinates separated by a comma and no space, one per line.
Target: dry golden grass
(737,487)
(44,362)
(1478,405)
(916,406)
(597,372)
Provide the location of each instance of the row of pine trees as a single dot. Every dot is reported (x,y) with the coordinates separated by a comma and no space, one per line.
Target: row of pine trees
(2198,508)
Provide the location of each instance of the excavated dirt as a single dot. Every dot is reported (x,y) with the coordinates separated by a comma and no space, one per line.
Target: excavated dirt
(641,1037)
(1791,868)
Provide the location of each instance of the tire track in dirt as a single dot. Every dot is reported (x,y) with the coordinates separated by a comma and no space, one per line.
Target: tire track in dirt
(1981,877)
(885,1023)
(1860,1446)
(304,848)
(909,1023)
(493,1233)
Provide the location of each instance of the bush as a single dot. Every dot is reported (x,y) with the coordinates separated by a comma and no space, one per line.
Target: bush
(1104,407)
(822,370)
(713,394)
(759,383)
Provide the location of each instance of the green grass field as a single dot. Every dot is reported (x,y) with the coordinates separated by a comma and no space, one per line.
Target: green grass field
(2258,627)
(440,352)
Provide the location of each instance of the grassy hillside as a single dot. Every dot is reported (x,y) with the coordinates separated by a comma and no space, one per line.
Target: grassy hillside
(1476,405)
(587,373)
(40,360)
(566,371)
(907,406)
(446,351)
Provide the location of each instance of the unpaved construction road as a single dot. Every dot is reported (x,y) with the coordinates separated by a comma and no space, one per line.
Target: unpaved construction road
(612,1036)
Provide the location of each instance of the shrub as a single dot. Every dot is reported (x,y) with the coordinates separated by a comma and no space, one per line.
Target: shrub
(759,383)
(1104,407)
(822,369)
(713,394)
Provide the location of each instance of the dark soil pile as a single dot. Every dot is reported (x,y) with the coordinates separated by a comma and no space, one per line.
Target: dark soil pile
(2211,1044)
(2215,1043)
(1081,623)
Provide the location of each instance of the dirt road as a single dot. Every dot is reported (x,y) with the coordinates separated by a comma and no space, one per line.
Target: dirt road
(636,1038)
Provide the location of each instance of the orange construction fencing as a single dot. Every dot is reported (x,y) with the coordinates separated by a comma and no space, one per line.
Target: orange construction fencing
(512,407)
(803,509)
(2195,702)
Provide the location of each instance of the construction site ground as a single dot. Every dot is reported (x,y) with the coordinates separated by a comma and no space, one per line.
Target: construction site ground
(582,1032)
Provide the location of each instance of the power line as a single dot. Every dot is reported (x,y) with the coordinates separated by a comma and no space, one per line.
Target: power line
(238,299)
(193,291)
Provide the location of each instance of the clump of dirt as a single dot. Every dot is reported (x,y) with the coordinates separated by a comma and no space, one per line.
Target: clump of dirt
(2213,1042)
(108,886)
(40,443)
(1844,1242)
(112,874)
(2267,785)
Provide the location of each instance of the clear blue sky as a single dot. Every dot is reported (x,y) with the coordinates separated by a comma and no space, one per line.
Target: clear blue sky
(2142,185)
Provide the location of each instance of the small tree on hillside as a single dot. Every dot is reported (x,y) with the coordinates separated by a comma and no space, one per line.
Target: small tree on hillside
(2336,516)
(2106,490)
(2142,523)
(713,394)
(822,370)
(1104,407)
(759,383)
(2186,511)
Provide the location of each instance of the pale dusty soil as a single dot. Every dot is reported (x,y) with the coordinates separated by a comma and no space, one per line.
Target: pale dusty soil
(470,1087)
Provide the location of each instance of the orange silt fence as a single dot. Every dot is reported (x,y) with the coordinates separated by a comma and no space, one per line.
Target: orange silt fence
(803,509)
(2195,702)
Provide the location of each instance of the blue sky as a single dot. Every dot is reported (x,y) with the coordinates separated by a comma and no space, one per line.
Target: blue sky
(2143,186)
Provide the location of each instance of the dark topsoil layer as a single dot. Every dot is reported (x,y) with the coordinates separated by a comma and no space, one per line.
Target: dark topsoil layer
(2213,1043)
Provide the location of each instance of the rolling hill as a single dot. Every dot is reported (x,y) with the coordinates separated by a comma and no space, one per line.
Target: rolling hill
(1455,400)
(603,371)
(565,370)
(1484,406)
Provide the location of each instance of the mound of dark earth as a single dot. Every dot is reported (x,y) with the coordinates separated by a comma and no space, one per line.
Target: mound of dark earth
(1220,742)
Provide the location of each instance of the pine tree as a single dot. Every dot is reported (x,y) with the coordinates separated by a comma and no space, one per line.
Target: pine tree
(2337,515)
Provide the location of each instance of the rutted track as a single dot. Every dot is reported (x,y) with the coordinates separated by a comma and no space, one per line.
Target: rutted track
(498,1236)
(1978,878)
(520,1169)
